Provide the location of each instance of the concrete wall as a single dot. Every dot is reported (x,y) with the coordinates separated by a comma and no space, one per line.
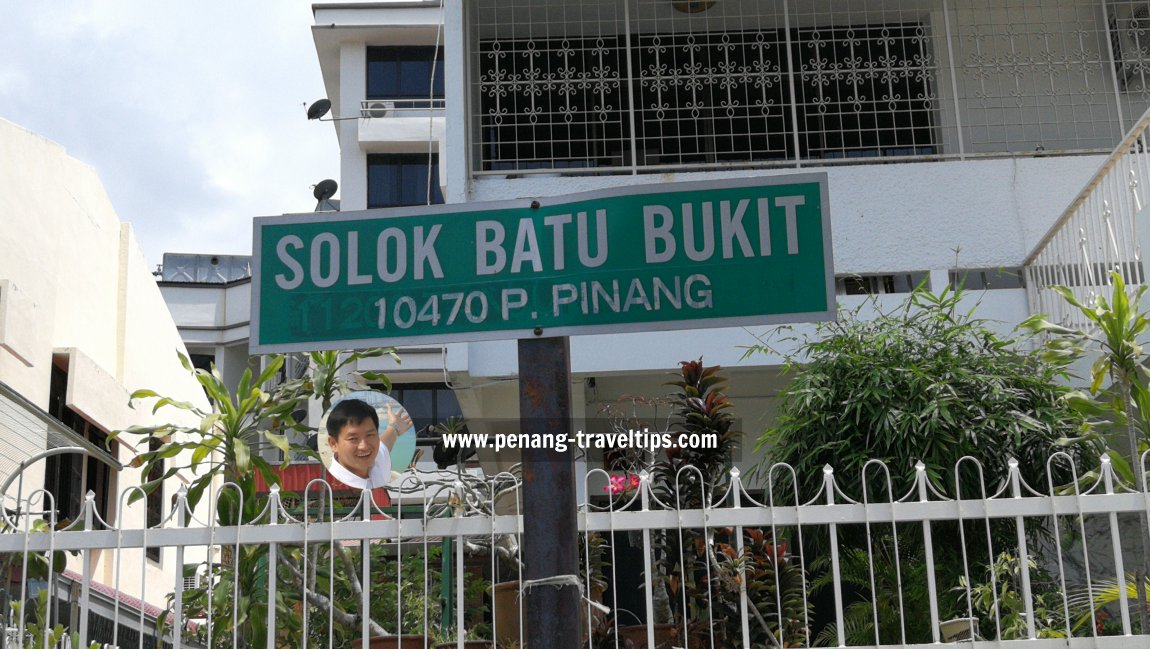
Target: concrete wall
(884,219)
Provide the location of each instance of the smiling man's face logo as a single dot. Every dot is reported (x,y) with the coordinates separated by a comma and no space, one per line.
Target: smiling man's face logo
(356,446)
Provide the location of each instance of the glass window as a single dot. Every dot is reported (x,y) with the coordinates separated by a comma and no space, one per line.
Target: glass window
(70,476)
(404,73)
(428,405)
(397,180)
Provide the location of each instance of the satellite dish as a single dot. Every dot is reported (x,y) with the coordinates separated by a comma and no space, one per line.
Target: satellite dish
(318,109)
(325,190)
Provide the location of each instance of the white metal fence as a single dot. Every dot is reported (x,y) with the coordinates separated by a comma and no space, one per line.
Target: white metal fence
(742,567)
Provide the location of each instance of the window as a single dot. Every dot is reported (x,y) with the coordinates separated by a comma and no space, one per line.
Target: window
(404,73)
(70,477)
(707,97)
(202,361)
(100,629)
(977,279)
(879,284)
(553,103)
(428,405)
(397,180)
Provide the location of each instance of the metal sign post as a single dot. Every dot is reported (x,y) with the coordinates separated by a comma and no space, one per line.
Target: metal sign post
(550,532)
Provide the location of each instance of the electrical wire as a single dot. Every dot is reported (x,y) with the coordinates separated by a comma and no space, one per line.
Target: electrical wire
(431,97)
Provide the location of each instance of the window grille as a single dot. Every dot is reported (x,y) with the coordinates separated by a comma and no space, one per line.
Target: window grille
(618,85)
(879,284)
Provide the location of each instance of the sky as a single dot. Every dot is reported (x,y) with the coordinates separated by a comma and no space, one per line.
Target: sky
(192,113)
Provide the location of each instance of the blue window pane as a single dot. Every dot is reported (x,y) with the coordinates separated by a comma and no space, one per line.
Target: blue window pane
(414,78)
(382,79)
(404,73)
(396,180)
(382,185)
(414,184)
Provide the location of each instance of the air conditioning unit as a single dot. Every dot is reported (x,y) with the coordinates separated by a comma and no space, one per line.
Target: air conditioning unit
(1130,40)
(378,108)
(193,581)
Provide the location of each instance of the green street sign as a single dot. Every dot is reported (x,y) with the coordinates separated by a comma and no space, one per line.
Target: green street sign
(747,251)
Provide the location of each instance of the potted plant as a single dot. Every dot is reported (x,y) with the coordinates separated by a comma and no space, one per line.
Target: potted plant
(476,624)
(475,637)
(695,567)
(593,563)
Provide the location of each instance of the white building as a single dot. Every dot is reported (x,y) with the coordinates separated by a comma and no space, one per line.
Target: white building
(82,326)
(954,134)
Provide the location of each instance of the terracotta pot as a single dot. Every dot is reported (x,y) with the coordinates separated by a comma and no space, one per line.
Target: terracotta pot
(392,642)
(635,637)
(506,605)
(506,600)
(467,644)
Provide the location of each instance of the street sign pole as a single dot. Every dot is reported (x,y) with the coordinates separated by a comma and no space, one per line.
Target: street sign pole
(550,532)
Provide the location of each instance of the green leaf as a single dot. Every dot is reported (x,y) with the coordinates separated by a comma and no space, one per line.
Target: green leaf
(1067,295)
(273,365)
(208,423)
(279,441)
(243,457)
(196,491)
(245,384)
(168,401)
(202,451)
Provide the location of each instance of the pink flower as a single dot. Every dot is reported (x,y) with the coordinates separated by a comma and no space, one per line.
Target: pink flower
(621,484)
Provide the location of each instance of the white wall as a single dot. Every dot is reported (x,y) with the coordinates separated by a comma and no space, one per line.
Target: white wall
(885,219)
(86,290)
(897,216)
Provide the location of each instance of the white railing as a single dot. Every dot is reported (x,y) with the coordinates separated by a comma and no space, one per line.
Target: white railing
(380,108)
(1096,235)
(763,567)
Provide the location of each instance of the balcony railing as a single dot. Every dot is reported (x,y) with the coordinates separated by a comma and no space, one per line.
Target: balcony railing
(382,108)
(1096,235)
(1062,557)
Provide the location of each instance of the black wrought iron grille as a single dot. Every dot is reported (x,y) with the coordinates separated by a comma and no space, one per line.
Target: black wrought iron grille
(699,98)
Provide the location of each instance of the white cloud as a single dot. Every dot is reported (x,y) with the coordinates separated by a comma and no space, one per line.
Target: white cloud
(191,112)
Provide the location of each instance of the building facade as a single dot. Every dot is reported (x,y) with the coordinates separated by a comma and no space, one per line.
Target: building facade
(954,134)
(82,326)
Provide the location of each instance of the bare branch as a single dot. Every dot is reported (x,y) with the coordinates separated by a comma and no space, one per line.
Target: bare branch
(322,601)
